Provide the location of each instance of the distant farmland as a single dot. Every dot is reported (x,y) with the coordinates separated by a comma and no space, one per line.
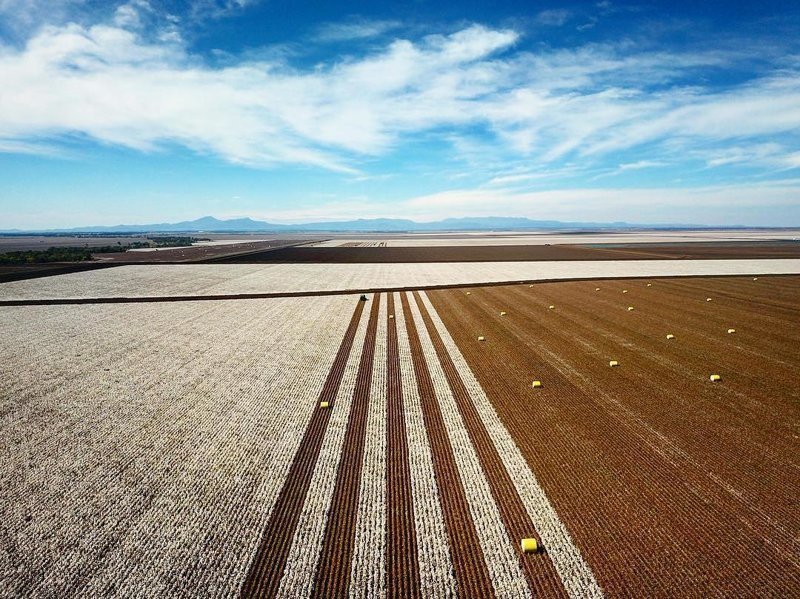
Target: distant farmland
(184,448)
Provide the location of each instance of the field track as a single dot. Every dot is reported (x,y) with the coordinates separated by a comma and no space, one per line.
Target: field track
(661,476)
(262,281)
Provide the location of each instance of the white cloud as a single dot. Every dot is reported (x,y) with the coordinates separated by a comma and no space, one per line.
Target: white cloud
(114,84)
(554,17)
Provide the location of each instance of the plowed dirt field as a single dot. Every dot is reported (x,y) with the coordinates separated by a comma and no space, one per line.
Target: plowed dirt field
(670,484)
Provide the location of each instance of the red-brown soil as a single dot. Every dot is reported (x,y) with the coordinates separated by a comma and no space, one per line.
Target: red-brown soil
(471,573)
(265,571)
(539,571)
(670,484)
(402,565)
(333,572)
(518,253)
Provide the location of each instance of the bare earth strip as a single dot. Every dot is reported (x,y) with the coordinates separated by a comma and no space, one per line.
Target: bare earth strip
(296,575)
(573,571)
(402,556)
(435,565)
(501,558)
(134,440)
(234,279)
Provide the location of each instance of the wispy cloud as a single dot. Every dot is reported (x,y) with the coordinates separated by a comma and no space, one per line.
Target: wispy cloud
(554,17)
(121,83)
(356,29)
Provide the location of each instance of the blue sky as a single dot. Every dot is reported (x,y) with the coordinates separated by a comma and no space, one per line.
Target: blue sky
(165,110)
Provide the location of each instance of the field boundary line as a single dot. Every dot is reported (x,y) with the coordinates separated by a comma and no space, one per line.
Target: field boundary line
(575,573)
(354,291)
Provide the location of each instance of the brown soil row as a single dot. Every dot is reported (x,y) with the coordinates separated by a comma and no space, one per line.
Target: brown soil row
(402,565)
(198,253)
(333,573)
(539,571)
(265,571)
(518,253)
(665,480)
(471,573)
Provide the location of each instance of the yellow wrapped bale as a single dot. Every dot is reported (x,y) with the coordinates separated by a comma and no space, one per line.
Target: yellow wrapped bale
(481,338)
(613,363)
(714,378)
(536,384)
(529,546)
(323,404)
(670,336)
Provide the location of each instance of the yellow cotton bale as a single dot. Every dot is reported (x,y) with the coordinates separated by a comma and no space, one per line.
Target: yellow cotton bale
(597,289)
(613,363)
(469,293)
(550,307)
(624,291)
(708,299)
(670,336)
(536,384)
(649,284)
(731,331)
(714,378)
(323,404)
(502,313)
(755,278)
(481,338)
(391,316)
(630,308)
(529,546)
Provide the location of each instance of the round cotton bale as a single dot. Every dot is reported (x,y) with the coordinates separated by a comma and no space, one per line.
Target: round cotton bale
(550,307)
(708,299)
(731,331)
(755,278)
(714,378)
(391,316)
(649,284)
(536,384)
(502,313)
(630,308)
(624,291)
(323,404)
(613,363)
(529,546)
(597,289)
(481,338)
(670,336)
(469,293)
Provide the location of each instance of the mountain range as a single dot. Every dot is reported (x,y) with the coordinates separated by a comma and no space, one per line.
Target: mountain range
(209,224)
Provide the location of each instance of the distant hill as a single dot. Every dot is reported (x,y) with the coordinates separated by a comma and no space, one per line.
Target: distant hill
(209,224)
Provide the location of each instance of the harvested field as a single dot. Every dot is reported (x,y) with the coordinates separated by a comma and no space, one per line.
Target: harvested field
(182,449)
(236,279)
(663,478)
(360,253)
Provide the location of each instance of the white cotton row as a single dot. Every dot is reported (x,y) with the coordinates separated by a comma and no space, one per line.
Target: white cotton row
(368,574)
(301,565)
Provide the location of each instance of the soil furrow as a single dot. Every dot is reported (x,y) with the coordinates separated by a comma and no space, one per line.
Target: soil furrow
(538,568)
(333,571)
(647,519)
(402,562)
(471,572)
(266,568)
